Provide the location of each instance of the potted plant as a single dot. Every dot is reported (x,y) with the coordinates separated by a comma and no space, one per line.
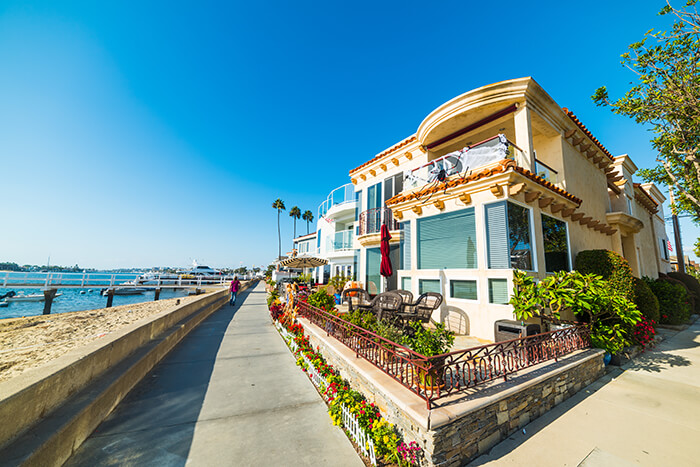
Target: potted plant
(429,343)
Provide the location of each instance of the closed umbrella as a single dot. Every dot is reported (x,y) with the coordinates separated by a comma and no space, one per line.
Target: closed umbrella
(385,268)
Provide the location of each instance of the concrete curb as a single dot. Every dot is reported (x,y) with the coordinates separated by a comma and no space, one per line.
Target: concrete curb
(56,407)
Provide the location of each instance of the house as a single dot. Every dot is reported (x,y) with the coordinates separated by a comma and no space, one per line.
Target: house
(335,235)
(496,179)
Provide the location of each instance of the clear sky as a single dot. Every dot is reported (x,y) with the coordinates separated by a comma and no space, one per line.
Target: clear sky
(144,133)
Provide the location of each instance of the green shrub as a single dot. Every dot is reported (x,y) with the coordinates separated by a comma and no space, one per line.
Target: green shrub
(674,305)
(611,266)
(692,284)
(645,300)
(322,300)
(362,318)
(429,342)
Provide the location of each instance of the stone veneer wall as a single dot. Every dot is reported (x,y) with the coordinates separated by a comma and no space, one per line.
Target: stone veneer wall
(460,437)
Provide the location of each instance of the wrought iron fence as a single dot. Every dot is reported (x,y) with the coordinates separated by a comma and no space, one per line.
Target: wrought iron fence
(432,378)
(371,220)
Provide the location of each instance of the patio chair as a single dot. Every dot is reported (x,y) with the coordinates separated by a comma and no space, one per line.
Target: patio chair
(359,296)
(387,305)
(406,295)
(422,309)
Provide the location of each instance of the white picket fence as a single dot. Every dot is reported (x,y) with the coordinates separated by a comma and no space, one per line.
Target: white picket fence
(350,422)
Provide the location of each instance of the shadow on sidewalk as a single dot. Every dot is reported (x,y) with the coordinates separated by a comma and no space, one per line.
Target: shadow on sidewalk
(154,424)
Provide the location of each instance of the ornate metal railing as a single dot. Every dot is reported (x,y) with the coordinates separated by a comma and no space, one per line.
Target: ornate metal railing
(371,220)
(432,378)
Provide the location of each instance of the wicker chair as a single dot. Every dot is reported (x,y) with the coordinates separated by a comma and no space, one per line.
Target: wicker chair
(422,309)
(406,295)
(359,296)
(385,305)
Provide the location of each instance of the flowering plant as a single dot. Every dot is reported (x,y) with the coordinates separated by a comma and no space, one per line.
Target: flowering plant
(409,452)
(643,332)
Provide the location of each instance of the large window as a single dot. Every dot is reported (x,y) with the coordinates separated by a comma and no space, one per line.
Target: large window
(508,236)
(393,186)
(428,285)
(556,246)
(447,241)
(463,289)
(374,284)
(374,196)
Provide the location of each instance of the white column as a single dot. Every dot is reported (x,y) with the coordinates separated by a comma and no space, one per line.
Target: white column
(523,134)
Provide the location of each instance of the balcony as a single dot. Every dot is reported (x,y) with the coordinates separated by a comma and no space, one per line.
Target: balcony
(546,172)
(467,159)
(340,241)
(371,220)
(341,195)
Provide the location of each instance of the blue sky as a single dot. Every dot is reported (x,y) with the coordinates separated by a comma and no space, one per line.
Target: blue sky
(138,134)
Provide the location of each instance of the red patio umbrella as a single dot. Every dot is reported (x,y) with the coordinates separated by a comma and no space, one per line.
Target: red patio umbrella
(385,268)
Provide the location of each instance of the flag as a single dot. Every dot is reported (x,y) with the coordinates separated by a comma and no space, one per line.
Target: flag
(670,248)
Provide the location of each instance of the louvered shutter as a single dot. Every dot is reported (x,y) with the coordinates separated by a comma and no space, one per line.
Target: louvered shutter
(497,236)
(447,241)
(406,246)
(463,289)
(498,291)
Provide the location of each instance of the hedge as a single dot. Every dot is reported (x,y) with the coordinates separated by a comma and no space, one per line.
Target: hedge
(674,303)
(613,267)
(692,285)
(645,299)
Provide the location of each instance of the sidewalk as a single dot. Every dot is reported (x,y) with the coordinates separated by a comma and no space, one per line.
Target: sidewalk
(646,413)
(228,394)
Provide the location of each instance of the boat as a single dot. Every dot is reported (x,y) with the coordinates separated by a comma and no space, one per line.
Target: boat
(35,297)
(4,303)
(156,278)
(201,270)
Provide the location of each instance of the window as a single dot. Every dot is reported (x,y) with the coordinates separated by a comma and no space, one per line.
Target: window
(508,236)
(447,241)
(556,247)
(374,196)
(406,283)
(374,279)
(463,289)
(393,186)
(428,285)
(358,205)
(663,248)
(498,291)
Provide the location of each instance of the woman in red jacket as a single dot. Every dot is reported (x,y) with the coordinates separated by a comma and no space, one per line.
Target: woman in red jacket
(234,290)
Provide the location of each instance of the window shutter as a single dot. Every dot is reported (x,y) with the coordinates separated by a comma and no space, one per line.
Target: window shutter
(429,285)
(406,283)
(406,246)
(497,236)
(463,289)
(498,291)
(447,241)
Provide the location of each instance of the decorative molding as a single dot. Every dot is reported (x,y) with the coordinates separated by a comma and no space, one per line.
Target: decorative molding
(593,223)
(409,156)
(556,207)
(417,209)
(591,153)
(577,216)
(373,172)
(611,231)
(597,159)
(621,182)
(363,176)
(398,214)
(584,147)
(584,221)
(354,181)
(440,204)
(395,161)
(497,190)
(544,202)
(383,167)
(515,189)
(531,196)
(466,198)
(567,212)
(570,133)
(577,141)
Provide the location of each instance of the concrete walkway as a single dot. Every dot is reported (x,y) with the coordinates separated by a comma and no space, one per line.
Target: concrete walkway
(229,394)
(647,413)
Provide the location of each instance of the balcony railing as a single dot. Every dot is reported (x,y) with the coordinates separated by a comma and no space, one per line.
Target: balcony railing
(467,159)
(340,241)
(343,194)
(453,372)
(371,220)
(546,172)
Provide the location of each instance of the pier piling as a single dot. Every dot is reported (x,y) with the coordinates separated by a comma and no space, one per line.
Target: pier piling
(110,297)
(49,295)
(157,297)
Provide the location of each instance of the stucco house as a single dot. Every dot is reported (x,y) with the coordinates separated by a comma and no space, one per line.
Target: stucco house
(499,178)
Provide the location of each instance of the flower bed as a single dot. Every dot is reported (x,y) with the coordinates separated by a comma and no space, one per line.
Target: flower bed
(374,437)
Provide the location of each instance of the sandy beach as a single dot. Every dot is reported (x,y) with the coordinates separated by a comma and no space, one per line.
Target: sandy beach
(33,341)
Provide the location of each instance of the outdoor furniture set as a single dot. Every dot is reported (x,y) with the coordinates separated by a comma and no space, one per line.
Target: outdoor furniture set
(396,306)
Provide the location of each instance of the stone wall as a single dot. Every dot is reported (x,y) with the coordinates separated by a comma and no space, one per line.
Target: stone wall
(462,427)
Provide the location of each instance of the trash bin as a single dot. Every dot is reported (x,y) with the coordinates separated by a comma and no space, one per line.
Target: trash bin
(506,329)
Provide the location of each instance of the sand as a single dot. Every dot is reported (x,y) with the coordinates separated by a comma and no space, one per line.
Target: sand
(33,341)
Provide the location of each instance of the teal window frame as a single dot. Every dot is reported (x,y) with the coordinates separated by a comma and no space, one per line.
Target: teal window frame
(454,282)
(447,241)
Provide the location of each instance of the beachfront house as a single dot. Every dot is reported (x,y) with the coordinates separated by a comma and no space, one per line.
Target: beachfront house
(334,237)
(499,178)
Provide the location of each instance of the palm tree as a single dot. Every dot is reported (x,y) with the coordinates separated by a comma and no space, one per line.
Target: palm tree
(295,213)
(308,217)
(279,205)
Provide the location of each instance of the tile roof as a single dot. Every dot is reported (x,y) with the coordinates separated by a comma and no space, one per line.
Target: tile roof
(403,143)
(585,130)
(644,197)
(502,167)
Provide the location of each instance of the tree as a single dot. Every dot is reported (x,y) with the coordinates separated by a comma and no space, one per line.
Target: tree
(279,205)
(667,97)
(308,216)
(295,213)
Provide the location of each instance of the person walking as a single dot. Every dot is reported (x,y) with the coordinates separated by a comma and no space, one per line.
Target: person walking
(235,284)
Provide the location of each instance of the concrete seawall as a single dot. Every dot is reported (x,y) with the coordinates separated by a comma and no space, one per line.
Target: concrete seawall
(54,408)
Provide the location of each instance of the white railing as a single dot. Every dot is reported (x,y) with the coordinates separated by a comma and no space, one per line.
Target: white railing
(546,172)
(343,194)
(101,279)
(350,422)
